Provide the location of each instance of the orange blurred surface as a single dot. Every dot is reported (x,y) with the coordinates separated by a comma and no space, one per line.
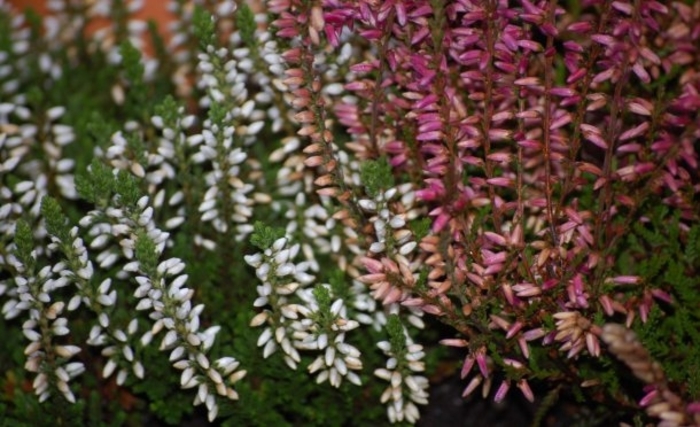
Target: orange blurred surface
(152,9)
(155,10)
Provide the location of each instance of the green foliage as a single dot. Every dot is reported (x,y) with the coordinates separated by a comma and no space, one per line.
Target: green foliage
(168,110)
(545,406)
(324,300)
(692,248)
(204,26)
(339,284)
(55,219)
(397,336)
(146,253)
(376,175)
(667,263)
(264,236)
(539,365)
(96,185)
(420,228)
(126,186)
(24,243)
(245,22)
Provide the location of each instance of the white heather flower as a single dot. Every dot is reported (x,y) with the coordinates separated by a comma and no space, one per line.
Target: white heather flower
(120,353)
(281,277)
(45,323)
(163,292)
(338,359)
(407,388)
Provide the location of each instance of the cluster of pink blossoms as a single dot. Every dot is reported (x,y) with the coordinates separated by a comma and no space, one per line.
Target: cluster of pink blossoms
(533,136)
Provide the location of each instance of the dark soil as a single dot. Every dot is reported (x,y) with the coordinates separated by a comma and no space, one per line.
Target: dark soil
(448,409)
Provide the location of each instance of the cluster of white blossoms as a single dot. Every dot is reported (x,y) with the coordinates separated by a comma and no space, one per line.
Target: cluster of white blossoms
(170,303)
(407,387)
(106,36)
(39,355)
(21,132)
(280,278)
(33,292)
(182,43)
(324,329)
(201,172)
(119,353)
(32,160)
(101,299)
(297,319)
(163,293)
(390,227)
(236,116)
(169,157)
(112,228)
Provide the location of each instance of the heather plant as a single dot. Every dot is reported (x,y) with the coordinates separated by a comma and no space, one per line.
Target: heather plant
(268,209)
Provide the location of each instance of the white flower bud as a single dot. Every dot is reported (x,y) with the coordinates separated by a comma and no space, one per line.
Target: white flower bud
(128,353)
(121,377)
(202,360)
(169,339)
(67,351)
(322,341)
(215,376)
(194,340)
(109,368)
(259,319)
(329,356)
(74,302)
(270,348)
(368,205)
(138,370)
(279,244)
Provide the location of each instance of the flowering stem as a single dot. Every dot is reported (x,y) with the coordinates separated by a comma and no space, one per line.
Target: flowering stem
(584,88)
(547,121)
(490,29)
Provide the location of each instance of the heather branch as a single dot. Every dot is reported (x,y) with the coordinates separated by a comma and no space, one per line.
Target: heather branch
(594,52)
(660,402)
(489,26)
(547,121)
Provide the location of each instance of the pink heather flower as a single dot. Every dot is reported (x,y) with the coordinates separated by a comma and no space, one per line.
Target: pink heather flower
(526,390)
(467,365)
(482,361)
(651,395)
(662,295)
(627,280)
(502,391)
(472,385)
(478,121)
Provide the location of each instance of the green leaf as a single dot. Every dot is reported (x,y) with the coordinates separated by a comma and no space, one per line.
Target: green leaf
(96,185)
(204,26)
(264,236)
(397,336)
(131,61)
(692,248)
(245,22)
(420,228)
(168,110)
(24,241)
(376,176)
(146,253)
(127,187)
(56,220)
(324,300)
